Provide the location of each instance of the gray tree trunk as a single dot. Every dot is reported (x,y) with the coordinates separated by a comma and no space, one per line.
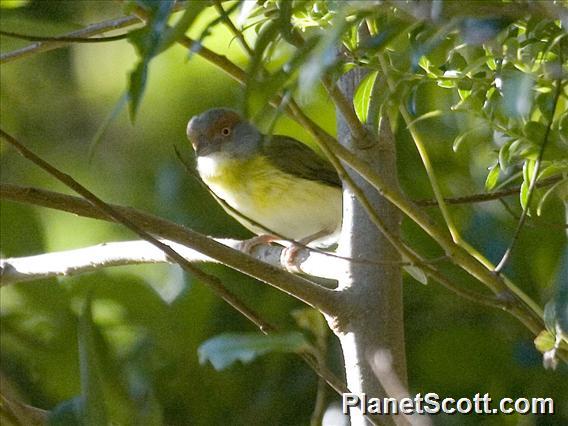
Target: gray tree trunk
(373,293)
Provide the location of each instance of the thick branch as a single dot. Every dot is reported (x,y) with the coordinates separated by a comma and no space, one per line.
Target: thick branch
(90,259)
(205,247)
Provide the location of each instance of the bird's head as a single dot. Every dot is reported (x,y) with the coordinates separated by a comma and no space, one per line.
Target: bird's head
(223,130)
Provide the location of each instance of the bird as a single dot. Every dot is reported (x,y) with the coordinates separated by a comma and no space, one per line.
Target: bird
(274,185)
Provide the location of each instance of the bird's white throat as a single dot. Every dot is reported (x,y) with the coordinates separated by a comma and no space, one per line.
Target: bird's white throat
(211,165)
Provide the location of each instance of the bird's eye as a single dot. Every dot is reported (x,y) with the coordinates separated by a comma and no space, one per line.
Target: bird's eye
(226,131)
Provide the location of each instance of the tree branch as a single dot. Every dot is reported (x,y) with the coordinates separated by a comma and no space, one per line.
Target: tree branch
(486,196)
(94,29)
(234,30)
(497,283)
(90,259)
(307,291)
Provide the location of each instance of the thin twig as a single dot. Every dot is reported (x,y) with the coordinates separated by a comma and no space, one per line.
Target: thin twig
(532,184)
(94,29)
(29,37)
(229,23)
(486,196)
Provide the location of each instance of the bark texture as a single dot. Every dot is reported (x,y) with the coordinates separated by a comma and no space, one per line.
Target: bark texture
(373,325)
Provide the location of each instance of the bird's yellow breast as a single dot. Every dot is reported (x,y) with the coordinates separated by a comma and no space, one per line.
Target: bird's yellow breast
(286,204)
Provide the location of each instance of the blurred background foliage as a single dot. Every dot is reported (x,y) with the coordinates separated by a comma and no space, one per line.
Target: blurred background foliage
(481,81)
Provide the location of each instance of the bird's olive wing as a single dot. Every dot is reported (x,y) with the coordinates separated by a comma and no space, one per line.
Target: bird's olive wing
(295,158)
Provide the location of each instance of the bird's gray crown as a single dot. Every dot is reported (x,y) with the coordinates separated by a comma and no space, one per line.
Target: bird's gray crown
(223,130)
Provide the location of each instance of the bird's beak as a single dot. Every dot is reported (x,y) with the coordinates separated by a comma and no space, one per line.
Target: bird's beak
(202,144)
(193,134)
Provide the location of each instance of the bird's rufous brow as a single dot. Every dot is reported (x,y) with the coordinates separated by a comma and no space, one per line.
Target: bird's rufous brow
(228,120)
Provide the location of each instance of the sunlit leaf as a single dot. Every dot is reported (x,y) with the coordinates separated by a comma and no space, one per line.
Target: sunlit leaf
(247,6)
(524,194)
(12,4)
(426,116)
(416,273)
(492,177)
(544,341)
(226,349)
(528,170)
(362,97)
(556,168)
(505,155)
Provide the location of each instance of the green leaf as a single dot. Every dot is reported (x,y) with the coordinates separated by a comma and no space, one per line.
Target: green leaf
(12,4)
(226,349)
(492,177)
(561,301)
(554,169)
(94,409)
(247,7)
(426,116)
(323,56)
(550,317)
(554,188)
(517,93)
(528,170)
(416,273)
(147,42)
(534,131)
(505,155)
(362,97)
(193,9)
(312,320)
(460,139)
(104,394)
(544,341)
(524,194)
(261,86)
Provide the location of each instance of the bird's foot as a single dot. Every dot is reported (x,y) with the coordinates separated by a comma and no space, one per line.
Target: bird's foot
(289,257)
(247,246)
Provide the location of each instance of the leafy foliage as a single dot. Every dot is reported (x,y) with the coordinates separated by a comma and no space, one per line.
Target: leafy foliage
(481,87)
(226,349)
